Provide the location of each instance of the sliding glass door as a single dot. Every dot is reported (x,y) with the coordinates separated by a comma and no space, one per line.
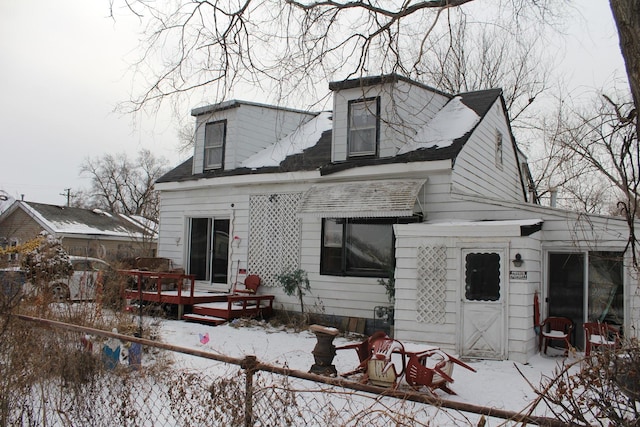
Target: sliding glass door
(209,249)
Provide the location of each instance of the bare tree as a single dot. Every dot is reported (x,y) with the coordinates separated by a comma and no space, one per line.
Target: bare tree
(290,46)
(484,55)
(121,185)
(560,177)
(626,14)
(597,156)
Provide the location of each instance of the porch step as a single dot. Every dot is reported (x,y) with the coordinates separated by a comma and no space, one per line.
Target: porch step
(203,318)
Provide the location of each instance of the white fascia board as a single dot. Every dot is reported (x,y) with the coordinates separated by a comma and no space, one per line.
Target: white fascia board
(240,180)
(392,170)
(543,210)
(465,229)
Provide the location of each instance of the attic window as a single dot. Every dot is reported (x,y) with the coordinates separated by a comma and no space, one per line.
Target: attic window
(499,149)
(13,255)
(363,127)
(214,138)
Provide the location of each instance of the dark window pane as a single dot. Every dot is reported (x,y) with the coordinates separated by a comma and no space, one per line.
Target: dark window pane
(482,277)
(362,142)
(332,247)
(213,157)
(606,297)
(369,247)
(220,250)
(199,248)
(214,134)
(357,247)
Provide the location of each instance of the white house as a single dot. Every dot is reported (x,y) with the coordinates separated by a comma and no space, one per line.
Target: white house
(399,179)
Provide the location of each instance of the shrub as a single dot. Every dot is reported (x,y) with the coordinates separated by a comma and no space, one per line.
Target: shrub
(295,282)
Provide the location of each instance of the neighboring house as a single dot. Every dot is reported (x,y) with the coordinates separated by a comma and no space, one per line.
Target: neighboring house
(83,232)
(399,180)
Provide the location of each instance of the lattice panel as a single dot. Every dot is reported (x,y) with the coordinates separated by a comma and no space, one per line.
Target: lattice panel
(274,235)
(432,284)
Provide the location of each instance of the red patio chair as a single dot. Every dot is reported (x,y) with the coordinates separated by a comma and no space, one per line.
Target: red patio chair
(555,329)
(251,284)
(600,335)
(432,369)
(363,350)
(381,368)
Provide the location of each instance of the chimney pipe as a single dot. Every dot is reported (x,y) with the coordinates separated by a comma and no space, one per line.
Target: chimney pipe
(553,193)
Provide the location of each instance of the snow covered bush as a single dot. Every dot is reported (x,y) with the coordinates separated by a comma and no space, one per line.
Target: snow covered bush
(601,389)
(46,262)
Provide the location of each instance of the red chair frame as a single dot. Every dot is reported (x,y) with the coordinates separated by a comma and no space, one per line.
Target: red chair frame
(555,329)
(251,284)
(363,350)
(598,335)
(381,369)
(432,369)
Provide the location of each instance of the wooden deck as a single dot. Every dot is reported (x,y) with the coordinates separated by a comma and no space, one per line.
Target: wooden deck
(234,307)
(206,307)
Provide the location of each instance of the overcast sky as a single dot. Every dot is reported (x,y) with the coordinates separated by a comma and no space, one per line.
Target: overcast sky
(64,69)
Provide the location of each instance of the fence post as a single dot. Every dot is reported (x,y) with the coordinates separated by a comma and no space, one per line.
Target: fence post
(249,364)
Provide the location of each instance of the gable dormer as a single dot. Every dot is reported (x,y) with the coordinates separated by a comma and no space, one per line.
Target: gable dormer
(374,117)
(228,133)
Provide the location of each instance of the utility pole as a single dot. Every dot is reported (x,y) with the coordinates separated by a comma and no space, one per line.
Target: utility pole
(67,193)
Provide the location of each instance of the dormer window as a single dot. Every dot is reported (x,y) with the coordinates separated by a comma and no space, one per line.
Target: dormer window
(214,136)
(363,127)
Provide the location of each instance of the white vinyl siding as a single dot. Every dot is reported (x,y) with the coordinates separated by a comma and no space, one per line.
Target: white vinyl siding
(268,125)
(521,343)
(476,171)
(404,109)
(337,296)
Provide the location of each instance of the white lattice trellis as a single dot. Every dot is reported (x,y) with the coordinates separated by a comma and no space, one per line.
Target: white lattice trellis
(432,284)
(274,234)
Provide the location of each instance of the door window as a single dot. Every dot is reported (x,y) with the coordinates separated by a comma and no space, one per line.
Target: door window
(482,277)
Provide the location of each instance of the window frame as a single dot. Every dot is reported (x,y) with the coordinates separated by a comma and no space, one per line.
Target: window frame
(13,256)
(338,245)
(350,127)
(499,149)
(209,148)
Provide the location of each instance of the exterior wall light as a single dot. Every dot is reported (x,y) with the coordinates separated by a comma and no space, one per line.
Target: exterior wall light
(517,262)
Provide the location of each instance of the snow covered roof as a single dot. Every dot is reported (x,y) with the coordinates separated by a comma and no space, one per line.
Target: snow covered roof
(449,124)
(309,147)
(304,137)
(64,220)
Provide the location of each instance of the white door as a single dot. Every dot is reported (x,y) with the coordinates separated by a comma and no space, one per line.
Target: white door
(483,303)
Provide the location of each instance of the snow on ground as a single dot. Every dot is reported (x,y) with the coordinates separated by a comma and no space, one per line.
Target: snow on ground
(496,384)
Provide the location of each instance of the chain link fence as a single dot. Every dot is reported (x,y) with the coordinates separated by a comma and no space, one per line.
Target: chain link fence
(60,380)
